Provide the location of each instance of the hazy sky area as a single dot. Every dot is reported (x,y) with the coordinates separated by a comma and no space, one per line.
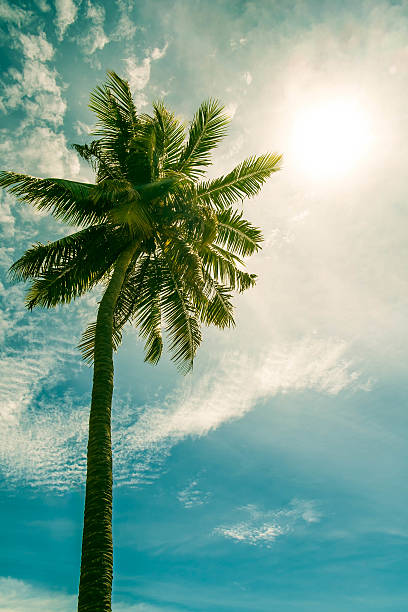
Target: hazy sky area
(273,478)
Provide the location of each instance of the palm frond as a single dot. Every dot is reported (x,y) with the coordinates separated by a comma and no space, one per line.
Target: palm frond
(126,207)
(236,233)
(214,304)
(159,189)
(181,318)
(148,316)
(101,161)
(123,96)
(69,201)
(207,129)
(117,122)
(170,135)
(186,262)
(113,105)
(140,165)
(87,343)
(94,242)
(223,266)
(128,300)
(244,181)
(65,269)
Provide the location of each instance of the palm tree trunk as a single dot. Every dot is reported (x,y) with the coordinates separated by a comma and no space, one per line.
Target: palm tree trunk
(95,586)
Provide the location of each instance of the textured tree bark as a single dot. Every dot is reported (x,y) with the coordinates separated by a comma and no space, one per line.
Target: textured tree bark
(95,586)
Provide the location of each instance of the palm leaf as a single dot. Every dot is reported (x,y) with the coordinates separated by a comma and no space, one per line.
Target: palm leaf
(100,160)
(244,181)
(206,130)
(127,302)
(223,266)
(185,260)
(87,343)
(181,318)
(236,233)
(99,242)
(65,269)
(113,105)
(214,304)
(69,201)
(148,316)
(170,135)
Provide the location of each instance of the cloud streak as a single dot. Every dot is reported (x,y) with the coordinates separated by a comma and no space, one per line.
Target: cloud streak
(261,528)
(66,12)
(46,447)
(95,39)
(20,596)
(192,495)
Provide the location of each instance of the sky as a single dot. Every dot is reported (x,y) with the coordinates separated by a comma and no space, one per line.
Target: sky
(274,476)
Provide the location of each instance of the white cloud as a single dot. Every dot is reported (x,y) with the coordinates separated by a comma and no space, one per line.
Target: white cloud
(138,73)
(42,442)
(125,28)
(95,38)
(263,527)
(82,128)
(239,382)
(35,87)
(7,221)
(14,14)
(43,5)
(48,448)
(42,152)
(235,44)
(157,53)
(233,388)
(20,596)
(247,77)
(66,11)
(36,47)
(231,109)
(192,495)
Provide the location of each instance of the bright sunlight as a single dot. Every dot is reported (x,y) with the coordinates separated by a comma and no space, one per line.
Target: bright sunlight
(330,139)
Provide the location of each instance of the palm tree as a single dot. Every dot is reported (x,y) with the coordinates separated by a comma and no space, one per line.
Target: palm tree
(167,246)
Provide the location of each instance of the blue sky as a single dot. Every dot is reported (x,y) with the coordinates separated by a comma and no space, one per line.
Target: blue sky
(273,477)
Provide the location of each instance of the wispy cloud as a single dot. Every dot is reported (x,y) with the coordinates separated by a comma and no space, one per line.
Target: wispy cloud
(126,27)
(96,37)
(232,389)
(66,12)
(138,72)
(262,527)
(143,439)
(20,596)
(43,5)
(157,53)
(41,152)
(192,495)
(14,14)
(34,88)
(48,447)
(247,77)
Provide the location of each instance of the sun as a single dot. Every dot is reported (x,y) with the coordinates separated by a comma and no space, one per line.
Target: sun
(330,139)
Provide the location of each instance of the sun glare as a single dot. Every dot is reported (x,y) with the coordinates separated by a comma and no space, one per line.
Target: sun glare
(330,139)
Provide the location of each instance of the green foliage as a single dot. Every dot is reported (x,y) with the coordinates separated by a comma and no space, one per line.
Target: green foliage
(207,129)
(149,188)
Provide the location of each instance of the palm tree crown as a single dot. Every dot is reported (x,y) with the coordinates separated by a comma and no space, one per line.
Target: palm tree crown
(150,192)
(167,244)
